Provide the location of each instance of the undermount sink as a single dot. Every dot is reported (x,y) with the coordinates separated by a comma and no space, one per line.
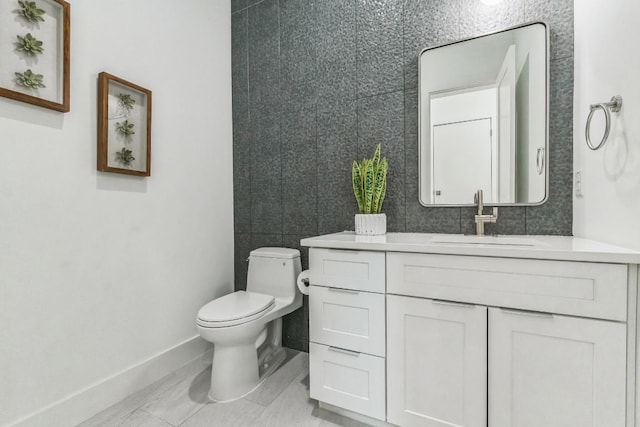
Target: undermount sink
(486,240)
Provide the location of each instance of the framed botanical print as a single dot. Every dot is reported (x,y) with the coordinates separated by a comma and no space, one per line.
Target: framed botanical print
(34,52)
(124,126)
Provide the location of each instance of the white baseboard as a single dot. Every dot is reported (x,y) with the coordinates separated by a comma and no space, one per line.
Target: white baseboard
(77,407)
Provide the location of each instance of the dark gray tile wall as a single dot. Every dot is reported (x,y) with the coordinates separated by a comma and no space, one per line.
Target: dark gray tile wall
(317,84)
(379,46)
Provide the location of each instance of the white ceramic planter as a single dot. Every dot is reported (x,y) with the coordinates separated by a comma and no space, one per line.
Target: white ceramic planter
(371,224)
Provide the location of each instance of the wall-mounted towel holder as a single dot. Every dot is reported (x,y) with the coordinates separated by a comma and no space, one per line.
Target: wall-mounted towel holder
(614,105)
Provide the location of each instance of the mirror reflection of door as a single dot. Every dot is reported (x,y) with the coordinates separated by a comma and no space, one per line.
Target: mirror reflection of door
(464,145)
(464,153)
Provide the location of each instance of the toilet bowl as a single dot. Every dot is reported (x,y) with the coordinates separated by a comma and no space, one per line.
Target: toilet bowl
(245,327)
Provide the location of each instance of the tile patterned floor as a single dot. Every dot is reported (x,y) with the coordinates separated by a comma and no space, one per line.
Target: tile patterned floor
(180,399)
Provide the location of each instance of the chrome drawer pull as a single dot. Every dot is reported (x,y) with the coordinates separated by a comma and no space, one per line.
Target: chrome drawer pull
(344,291)
(343,251)
(343,351)
(528,313)
(452,303)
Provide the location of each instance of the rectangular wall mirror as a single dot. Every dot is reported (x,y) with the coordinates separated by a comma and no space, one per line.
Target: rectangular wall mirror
(483,119)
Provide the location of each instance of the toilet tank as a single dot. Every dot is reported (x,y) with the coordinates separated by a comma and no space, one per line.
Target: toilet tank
(273,271)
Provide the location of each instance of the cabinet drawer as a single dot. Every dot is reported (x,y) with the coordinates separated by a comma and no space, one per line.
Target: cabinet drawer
(347,319)
(360,270)
(353,381)
(575,288)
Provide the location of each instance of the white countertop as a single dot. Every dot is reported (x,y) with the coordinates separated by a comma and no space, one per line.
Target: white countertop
(562,248)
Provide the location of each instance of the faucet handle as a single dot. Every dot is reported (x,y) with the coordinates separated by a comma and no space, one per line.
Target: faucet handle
(477,200)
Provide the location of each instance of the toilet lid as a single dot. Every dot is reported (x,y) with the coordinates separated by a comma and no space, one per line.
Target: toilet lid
(235,308)
(275,253)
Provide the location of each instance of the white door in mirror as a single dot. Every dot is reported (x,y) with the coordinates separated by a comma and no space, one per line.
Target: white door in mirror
(464,162)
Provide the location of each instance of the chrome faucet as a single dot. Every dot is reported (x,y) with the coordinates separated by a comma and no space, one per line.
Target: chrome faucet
(480,217)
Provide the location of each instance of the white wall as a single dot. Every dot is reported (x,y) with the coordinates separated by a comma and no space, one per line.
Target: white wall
(607,64)
(101,272)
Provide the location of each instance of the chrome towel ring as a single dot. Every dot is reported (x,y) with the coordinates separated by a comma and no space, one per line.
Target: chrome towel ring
(614,105)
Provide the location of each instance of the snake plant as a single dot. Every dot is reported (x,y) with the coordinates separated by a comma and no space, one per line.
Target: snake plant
(369,179)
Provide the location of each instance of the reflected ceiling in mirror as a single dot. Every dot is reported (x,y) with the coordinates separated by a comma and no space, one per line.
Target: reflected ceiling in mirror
(483,120)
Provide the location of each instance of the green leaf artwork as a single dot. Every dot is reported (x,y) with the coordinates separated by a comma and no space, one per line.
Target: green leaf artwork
(30,11)
(125,156)
(29,79)
(29,45)
(126,101)
(125,128)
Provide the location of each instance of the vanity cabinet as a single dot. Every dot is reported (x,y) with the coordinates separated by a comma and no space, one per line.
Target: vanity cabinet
(416,334)
(543,368)
(347,330)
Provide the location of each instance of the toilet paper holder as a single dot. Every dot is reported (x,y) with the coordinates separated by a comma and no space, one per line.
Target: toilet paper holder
(303,282)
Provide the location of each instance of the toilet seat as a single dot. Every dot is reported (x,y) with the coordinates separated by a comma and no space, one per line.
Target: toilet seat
(234,309)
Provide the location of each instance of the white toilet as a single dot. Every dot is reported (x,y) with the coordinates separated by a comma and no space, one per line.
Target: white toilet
(246,326)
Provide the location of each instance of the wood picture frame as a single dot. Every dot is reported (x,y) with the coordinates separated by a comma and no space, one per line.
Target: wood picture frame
(124,126)
(35,51)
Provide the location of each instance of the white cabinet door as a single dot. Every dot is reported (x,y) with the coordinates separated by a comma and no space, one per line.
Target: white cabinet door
(555,371)
(436,363)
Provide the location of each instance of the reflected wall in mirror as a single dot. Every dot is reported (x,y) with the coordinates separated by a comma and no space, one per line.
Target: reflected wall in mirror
(483,119)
